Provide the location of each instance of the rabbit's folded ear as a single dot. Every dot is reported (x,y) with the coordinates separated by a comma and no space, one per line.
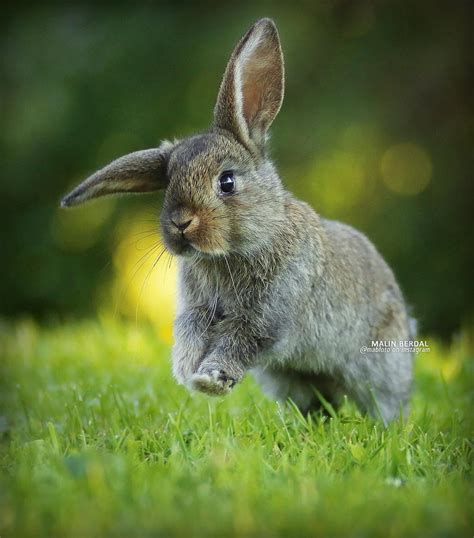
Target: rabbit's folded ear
(141,171)
(251,92)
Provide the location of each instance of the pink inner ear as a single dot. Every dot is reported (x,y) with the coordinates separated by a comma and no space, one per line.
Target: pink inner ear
(260,73)
(252,100)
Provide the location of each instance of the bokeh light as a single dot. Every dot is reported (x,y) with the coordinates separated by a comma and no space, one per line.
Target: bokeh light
(339,181)
(406,169)
(144,285)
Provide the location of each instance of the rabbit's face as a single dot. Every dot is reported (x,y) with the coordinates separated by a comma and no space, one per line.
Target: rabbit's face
(217,200)
(222,194)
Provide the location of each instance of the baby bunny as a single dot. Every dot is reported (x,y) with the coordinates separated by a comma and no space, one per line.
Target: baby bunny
(265,284)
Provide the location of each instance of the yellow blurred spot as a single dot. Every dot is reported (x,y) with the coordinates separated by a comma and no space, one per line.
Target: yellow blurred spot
(445,361)
(145,282)
(77,229)
(339,181)
(406,169)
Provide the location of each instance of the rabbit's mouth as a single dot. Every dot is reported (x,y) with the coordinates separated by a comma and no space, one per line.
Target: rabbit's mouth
(187,249)
(182,246)
(193,237)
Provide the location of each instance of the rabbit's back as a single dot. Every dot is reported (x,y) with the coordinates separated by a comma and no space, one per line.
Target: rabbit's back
(337,283)
(335,296)
(335,288)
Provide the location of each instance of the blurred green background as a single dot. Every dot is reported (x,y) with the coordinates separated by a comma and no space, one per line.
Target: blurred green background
(374,131)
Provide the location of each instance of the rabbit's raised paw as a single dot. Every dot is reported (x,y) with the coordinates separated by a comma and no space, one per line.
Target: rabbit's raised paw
(214,382)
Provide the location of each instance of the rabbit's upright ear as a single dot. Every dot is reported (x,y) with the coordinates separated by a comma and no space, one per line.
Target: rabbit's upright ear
(141,171)
(251,92)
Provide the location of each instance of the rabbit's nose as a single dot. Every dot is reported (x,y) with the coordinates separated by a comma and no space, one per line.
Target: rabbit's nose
(184,220)
(182,225)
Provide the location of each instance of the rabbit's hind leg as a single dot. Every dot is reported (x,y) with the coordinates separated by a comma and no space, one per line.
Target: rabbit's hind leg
(301,388)
(380,383)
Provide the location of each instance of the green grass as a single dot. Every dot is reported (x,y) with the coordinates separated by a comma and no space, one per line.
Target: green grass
(97,439)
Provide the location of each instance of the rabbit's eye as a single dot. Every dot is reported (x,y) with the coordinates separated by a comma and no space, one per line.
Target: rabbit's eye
(227,182)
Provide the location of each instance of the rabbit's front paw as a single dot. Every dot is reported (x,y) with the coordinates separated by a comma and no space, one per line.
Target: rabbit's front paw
(213,382)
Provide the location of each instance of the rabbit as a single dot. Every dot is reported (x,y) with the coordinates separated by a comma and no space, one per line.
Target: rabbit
(265,284)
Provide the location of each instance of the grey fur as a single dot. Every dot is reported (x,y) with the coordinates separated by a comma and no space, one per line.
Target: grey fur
(265,284)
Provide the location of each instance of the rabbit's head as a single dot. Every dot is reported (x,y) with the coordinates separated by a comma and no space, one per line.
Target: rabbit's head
(222,194)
